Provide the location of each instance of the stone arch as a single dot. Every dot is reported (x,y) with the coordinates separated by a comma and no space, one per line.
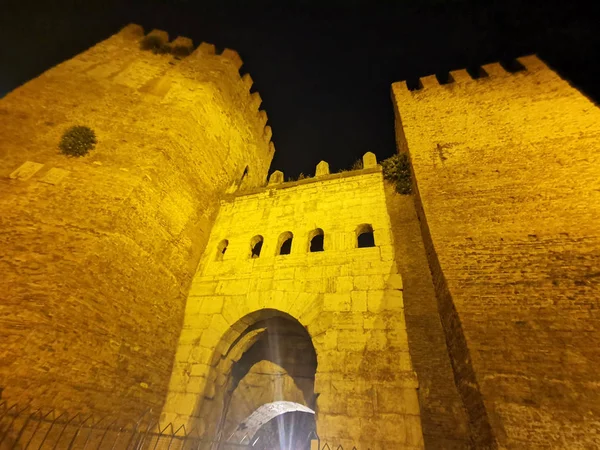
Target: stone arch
(262,416)
(240,347)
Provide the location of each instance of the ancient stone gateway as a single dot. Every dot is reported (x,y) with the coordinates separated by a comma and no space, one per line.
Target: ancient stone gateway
(323,329)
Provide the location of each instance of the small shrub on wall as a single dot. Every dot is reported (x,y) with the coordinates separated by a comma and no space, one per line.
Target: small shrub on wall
(155,44)
(77,141)
(181,51)
(396,170)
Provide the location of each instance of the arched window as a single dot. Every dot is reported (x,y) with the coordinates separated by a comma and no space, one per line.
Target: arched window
(364,236)
(221,249)
(315,239)
(284,246)
(255,246)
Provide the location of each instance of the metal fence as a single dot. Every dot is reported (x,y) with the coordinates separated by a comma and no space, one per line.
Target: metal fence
(22,428)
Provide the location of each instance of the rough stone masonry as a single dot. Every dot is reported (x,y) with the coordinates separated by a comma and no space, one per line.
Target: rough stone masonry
(158,270)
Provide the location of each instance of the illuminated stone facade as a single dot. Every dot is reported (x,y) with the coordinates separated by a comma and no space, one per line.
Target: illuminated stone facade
(349,299)
(98,252)
(507,169)
(157,271)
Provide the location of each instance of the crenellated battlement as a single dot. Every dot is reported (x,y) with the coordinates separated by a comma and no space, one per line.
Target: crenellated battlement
(179,56)
(485,74)
(276,179)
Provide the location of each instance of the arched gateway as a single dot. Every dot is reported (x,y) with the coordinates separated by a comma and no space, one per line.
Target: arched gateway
(321,330)
(266,357)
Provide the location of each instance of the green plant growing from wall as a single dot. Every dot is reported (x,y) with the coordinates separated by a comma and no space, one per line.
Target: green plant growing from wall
(180,51)
(77,141)
(155,44)
(396,170)
(357,165)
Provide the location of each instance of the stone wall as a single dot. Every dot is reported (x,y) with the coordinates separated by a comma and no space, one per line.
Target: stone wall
(443,417)
(349,300)
(98,252)
(507,175)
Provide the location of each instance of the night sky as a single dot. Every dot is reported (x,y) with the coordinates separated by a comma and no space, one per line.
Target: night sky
(323,69)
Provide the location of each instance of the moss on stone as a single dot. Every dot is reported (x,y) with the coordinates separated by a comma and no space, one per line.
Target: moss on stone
(77,141)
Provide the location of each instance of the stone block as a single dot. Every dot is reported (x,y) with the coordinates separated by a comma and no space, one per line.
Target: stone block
(337,302)
(212,305)
(348,321)
(54,176)
(196,385)
(201,356)
(375,301)
(369,160)
(344,284)
(359,301)
(376,340)
(183,353)
(203,288)
(322,169)
(352,340)
(25,171)
(394,281)
(393,300)
(331,403)
(331,361)
(276,178)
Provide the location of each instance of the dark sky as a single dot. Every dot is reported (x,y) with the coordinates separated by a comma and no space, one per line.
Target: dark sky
(323,68)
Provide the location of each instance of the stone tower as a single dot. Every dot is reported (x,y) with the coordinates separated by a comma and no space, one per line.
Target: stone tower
(98,252)
(507,176)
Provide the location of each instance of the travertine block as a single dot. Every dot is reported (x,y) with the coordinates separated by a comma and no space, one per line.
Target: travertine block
(322,169)
(369,160)
(26,171)
(276,177)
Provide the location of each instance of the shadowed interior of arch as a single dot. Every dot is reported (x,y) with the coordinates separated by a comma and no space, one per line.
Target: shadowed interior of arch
(271,360)
(364,236)
(221,249)
(316,240)
(284,242)
(256,244)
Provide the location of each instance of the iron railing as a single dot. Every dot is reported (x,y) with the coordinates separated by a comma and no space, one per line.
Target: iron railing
(23,428)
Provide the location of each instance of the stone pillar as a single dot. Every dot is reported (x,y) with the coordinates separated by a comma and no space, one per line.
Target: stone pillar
(322,169)
(369,160)
(276,177)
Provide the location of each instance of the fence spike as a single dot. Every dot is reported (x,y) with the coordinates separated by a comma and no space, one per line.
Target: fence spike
(137,424)
(5,432)
(77,432)
(145,435)
(105,431)
(63,430)
(117,438)
(39,422)
(23,428)
(7,410)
